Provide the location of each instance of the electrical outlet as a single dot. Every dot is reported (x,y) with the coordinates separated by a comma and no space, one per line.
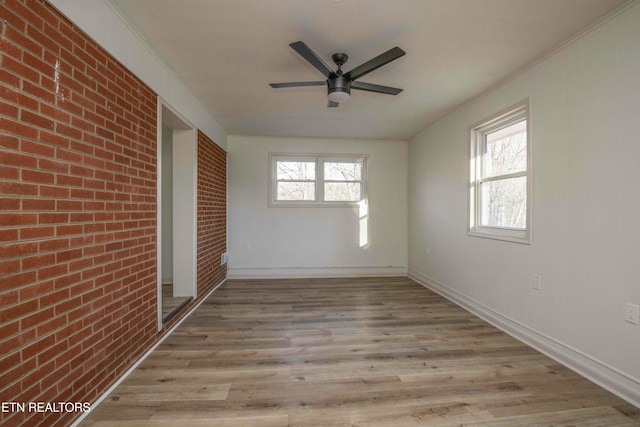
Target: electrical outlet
(536,282)
(632,313)
(224,258)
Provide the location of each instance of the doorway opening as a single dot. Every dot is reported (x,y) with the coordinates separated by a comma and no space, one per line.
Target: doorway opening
(177,209)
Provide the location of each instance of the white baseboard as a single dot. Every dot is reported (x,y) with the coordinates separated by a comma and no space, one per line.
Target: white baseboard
(304,272)
(619,383)
(144,356)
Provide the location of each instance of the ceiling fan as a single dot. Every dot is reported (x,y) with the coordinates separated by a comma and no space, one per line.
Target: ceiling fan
(339,84)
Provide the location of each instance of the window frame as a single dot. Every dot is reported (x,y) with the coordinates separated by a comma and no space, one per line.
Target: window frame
(477,134)
(320,160)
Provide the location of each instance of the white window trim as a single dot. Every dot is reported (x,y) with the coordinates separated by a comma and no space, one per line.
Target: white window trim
(477,131)
(320,159)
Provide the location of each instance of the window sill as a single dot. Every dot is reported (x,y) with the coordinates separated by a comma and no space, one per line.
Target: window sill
(514,236)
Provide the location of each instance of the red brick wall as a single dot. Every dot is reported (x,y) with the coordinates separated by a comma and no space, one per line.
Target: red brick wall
(77,214)
(212,213)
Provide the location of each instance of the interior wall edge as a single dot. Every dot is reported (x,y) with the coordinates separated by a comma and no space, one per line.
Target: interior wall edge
(102,21)
(617,382)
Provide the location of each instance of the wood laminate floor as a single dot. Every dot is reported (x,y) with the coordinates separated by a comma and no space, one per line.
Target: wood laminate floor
(349,352)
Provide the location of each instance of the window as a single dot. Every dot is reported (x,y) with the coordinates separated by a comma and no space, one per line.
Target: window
(500,196)
(296,180)
(301,180)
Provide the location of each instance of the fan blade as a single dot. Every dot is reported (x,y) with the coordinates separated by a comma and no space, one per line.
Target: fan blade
(375,63)
(375,88)
(306,52)
(333,104)
(296,84)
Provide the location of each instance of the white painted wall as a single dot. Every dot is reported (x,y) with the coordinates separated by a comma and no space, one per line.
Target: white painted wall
(270,242)
(102,22)
(185,206)
(585,117)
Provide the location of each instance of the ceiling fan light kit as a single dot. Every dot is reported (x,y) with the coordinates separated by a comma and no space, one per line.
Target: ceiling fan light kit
(339,89)
(339,84)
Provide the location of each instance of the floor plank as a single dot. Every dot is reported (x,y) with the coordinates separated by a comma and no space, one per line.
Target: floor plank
(349,352)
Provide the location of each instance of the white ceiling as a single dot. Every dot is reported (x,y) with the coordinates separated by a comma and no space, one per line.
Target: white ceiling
(228,51)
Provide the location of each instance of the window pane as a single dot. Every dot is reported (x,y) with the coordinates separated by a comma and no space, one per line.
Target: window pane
(504,203)
(295,170)
(505,150)
(296,191)
(343,171)
(342,191)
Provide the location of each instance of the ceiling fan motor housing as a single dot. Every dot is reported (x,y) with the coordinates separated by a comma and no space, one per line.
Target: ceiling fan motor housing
(340,87)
